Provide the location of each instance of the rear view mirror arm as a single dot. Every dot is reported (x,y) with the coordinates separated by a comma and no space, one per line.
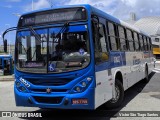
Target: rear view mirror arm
(5,40)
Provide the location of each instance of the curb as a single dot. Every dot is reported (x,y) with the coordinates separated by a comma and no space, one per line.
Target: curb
(6,78)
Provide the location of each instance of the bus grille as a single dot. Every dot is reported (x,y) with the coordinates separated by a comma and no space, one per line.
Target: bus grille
(49,82)
(44,90)
(48,100)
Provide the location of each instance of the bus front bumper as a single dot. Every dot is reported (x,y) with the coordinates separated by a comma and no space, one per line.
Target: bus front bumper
(84,100)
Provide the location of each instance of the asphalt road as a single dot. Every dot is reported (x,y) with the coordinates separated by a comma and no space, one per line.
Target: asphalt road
(140,97)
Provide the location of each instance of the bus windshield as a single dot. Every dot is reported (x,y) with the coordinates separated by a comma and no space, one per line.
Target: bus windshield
(56,51)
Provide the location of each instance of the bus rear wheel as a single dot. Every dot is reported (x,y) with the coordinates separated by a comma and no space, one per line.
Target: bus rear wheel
(119,95)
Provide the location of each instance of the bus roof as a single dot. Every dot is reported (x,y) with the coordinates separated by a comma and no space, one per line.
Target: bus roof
(97,11)
(5,56)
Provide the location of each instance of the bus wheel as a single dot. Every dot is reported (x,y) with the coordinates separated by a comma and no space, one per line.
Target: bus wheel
(119,95)
(146,79)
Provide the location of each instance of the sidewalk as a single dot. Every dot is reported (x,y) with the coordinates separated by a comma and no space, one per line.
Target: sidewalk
(7,78)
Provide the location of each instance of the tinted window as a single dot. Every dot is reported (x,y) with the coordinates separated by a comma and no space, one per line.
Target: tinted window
(141,42)
(130,40)
(149,44)
(101,46)
(136,41)
(123,42)
(111,29)
(145,43)
(111,36)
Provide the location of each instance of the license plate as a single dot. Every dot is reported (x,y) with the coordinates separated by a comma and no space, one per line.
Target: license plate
(79,101)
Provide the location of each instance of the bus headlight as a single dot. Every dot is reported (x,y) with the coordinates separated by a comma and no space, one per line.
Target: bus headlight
(18,84)
(78,89)
(82,85)
(20,87)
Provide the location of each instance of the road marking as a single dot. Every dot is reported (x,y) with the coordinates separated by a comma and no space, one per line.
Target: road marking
(156,71)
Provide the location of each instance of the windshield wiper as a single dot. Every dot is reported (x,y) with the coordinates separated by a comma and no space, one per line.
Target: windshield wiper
(35,34)
(64,27)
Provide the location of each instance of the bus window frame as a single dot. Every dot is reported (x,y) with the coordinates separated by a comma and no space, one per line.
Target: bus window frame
(129,40)
(101,21)
(48,26)
(137,34)
(115,36)
(141,42)
(126,41)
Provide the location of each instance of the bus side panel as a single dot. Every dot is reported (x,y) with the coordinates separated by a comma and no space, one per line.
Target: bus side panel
(104,82)
(135,73)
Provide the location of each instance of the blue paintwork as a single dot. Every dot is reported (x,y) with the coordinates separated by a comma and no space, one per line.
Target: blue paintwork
(112,63)
(77,76)
(54,30)
(69,29)
(6,57)
(22,98)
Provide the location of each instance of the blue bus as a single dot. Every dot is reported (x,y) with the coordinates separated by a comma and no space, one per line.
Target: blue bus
(77,57)
(5,65)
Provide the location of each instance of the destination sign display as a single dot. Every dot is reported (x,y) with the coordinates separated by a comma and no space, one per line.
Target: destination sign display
(52,16)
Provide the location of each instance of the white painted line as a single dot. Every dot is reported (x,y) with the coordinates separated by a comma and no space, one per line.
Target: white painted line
(156,71)
(156,68)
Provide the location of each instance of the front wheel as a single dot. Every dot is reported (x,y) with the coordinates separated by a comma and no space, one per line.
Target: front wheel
(119,95)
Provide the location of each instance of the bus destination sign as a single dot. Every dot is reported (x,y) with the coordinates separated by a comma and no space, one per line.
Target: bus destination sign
(58,15)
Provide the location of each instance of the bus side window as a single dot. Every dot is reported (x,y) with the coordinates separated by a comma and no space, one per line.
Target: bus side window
(141,42)
(145,43)
(112,37)
(123,42)
(149,44)
(101,46)
(137,47)
(130,40)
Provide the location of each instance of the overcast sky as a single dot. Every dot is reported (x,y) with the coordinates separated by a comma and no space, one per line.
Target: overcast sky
(118,8)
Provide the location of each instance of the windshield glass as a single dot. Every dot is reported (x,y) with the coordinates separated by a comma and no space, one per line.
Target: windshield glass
(56,51)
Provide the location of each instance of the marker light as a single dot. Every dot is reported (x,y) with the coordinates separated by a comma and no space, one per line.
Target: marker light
(89,79)
(22,89)
(18,84)
(84,84)
(78,89)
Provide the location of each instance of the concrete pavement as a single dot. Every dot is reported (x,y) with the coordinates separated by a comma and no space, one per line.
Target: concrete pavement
(141,97)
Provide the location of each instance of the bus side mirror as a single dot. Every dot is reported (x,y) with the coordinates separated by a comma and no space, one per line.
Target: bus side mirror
(5,40)
(5,45)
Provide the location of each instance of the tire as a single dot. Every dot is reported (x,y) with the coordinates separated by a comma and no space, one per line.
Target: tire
(114,103)
(146,79)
